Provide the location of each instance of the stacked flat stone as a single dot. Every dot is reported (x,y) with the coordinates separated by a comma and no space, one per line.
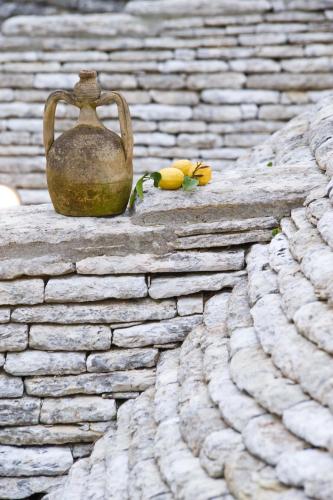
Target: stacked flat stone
(204,80)
(90,306)
(243,409)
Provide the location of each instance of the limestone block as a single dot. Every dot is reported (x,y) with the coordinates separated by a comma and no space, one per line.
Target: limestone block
(238,308)
(216,80)
(108,312)
(191,283)
(118,81)
(85,289)
(192,304)
(92,24)
(267,438)
(122,359)
(310,421)
(175,8)
(242,338)
(82,450)
(311,469)
(210,66)
(224,113)
(91,383)
(158,81)
(70,338)
(22,291)
(183,97)
(4,315)
(77,409)
(217,96)
(216,310)
(10,387)
(45,363)
(13,337)
(155,139)
(163,332)
(191,261)
(22,411)
(32,435)
(23,487)
(314,321)
(285,81)
(172,127)
(14,268)
(160,112)
(255,65)
(217,447)
(37,461)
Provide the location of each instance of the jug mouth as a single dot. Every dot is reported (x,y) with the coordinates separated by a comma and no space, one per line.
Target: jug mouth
(86,74)
(87,89)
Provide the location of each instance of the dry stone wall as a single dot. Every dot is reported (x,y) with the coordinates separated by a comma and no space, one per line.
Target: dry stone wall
(243,408)
(205,80)
(95,311)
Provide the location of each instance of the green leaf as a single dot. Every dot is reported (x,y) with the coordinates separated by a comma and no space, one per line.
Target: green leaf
(156,177)
(269,164)
(189,183)
(276,230)
(138,189)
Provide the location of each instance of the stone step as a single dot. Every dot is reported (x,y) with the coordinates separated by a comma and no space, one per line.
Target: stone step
(198,416)
(180,469)
(145,479)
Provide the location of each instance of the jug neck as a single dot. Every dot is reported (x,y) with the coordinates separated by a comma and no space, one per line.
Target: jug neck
(88,116)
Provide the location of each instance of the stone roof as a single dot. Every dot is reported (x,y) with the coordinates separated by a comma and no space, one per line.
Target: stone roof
(244,408)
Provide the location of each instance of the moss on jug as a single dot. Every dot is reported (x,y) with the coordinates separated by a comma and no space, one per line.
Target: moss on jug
(89,168)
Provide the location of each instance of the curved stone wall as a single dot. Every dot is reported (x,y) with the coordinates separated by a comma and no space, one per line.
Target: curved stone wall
(205,80)
(179,334)
(243,408)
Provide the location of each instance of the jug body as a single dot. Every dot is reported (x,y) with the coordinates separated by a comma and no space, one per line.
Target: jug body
(89,168)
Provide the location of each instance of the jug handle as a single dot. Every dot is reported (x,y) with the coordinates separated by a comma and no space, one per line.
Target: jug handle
(124,118)
(49,115)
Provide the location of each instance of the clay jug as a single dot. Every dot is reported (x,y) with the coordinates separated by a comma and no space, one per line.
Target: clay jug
(89,168)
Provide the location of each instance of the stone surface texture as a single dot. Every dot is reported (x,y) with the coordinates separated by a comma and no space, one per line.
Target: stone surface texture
(228,390)
(183,351)
(204,80)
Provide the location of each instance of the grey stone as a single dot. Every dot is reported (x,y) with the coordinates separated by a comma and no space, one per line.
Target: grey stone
(85,289)
(13,337)
(23,487)
(239,96)
(38,461)
(90,383)
(310,421)
(314,321)
(77,409)
(22,411)
(122,359)
(311,469)
(22,291)
(163,332)
(107,312)
(173,262)
(70,338)
(192,304)
(216,309)
(4,315)
(14,268)
(267,438)
(45,363)
(10,387)
(37,435)
(192,283)
(217,447)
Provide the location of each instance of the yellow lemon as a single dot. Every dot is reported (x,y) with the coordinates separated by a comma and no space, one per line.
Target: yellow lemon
(183,165)
(172,178)
(201,172)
